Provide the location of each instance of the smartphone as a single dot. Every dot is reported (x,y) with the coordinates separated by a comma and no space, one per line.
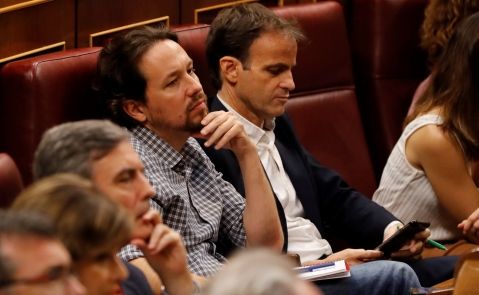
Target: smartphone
(399,238)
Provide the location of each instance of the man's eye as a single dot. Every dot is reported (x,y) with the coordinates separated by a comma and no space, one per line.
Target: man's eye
(58,272)
(172,83)
(192,71)
(275,71)
(126,177)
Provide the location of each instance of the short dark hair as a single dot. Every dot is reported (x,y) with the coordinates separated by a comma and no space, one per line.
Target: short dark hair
(118,75)
(73,147)
(21,223)
(234,29)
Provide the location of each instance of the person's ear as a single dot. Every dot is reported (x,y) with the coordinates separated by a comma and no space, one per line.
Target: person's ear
(229,68)
(135,109)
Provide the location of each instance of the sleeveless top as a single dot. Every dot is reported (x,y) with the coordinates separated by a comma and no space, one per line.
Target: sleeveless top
(407,193)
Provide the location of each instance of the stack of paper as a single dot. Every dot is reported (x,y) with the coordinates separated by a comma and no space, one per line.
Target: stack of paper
(324,271)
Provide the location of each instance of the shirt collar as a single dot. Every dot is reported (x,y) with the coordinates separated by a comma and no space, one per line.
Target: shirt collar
(162,149)
(254,132)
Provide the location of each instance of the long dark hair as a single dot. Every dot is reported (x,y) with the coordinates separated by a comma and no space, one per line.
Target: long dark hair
(455,87)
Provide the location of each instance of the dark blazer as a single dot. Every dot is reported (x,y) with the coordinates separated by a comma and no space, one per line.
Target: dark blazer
(135,283)
(337,210)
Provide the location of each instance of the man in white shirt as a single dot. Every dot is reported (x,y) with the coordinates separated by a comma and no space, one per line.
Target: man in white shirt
(251,53)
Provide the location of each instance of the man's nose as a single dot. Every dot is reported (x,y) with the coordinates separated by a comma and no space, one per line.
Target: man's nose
(146,190)
(195,86)
(288,81)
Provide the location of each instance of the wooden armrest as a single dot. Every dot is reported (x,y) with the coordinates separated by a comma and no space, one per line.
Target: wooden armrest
(443,288)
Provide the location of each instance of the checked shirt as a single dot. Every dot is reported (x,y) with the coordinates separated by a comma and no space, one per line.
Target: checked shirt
(193,199)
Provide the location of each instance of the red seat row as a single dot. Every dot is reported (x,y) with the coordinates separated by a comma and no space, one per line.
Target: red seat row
(361,63)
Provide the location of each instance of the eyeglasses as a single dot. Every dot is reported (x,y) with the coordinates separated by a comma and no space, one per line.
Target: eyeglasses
(56,273)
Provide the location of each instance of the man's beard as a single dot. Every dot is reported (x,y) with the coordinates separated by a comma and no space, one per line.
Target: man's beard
(189,125)
(194,127)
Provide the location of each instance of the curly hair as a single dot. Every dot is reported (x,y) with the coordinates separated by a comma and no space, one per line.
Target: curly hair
(441,19)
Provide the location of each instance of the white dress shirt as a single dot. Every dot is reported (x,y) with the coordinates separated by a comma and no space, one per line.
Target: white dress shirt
(303,236)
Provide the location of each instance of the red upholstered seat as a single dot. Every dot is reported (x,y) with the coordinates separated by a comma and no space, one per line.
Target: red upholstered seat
(388,66)
(323,106)
(10,180)
(40,92)
(46,90)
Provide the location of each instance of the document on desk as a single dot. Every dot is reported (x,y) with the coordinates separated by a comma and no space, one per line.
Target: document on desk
(324,271)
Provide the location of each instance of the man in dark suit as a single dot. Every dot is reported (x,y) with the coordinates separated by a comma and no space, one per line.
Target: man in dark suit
(251,53)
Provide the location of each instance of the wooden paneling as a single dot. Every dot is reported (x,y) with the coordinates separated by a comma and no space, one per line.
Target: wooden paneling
(60,46)
(101,38)
(204,11)
(94,16)
(35,29)
(11,5)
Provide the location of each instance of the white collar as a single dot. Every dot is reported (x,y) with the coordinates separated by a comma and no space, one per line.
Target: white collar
(254,132)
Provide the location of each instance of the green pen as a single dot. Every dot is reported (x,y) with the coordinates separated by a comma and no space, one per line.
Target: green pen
(436,244)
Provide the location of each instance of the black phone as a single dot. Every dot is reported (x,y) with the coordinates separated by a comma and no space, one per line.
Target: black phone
(404,234)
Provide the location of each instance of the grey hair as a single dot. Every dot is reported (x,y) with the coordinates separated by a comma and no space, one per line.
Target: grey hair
(73,147)
(254,272)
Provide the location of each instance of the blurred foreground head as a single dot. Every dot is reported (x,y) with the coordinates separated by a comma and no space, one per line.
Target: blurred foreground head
(259,272)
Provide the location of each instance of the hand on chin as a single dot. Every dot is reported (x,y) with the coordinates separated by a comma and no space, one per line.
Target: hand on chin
(143,230)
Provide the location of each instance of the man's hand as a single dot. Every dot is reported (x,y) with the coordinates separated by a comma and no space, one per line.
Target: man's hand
(352,256)
(412,249)
(166,254)
(223,130)
(163,247)
(260,216)
(470,226)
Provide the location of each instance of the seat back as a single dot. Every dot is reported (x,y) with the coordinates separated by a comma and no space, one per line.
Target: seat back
(10,180)
(467,274)
(323,107)
(388,66)
(40,92)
